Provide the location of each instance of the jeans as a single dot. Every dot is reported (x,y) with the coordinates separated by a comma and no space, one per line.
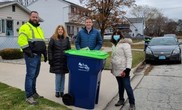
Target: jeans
(32,72)
(124,83)
(59,82)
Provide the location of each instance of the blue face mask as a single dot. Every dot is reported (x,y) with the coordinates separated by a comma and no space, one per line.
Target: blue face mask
(116,37)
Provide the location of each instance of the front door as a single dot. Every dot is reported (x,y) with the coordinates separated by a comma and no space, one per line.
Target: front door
(9,28)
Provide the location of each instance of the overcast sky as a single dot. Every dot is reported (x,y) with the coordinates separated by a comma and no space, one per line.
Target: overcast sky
(170,8)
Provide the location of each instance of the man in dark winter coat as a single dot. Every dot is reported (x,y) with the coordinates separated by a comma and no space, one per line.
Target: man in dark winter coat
(88,37)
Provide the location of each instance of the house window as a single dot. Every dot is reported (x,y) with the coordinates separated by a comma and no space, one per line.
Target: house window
(68,29)
(2,26)
(72,9)
(72,30)
(13,8)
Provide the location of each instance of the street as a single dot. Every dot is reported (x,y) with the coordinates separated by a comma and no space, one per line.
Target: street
(160,89)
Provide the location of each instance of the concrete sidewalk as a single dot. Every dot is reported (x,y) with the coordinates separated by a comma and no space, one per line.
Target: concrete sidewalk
(14,75)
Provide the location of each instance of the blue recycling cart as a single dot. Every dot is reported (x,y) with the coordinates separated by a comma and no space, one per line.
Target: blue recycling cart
(85,68)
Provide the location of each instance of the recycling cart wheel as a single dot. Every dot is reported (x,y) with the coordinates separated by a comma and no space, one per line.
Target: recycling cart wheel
(68,99)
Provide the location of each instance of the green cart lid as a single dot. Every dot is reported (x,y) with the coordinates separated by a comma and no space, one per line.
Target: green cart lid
(98,54)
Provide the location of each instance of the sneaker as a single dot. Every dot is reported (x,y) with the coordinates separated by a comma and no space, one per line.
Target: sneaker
(31,101)
(36,96)
(132,107)
(119,103)
(57,94)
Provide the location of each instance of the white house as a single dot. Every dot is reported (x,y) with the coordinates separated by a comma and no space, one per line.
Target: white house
(58,12)
(136,26)
(131,27)
(12,16)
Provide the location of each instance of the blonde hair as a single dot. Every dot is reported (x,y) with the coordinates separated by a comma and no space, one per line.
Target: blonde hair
(55,35)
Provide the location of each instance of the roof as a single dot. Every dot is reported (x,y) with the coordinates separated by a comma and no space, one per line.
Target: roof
(67,1)
(136,20)
(73,3)
(9,3)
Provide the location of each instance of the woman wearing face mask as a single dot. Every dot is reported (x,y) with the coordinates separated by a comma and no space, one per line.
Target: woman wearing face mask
(59,42)
(121,62)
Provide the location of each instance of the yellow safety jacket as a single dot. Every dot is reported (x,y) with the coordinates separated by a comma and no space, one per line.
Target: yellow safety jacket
(29,34)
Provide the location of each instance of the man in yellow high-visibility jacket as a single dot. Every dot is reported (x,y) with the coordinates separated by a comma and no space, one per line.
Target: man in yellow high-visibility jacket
(31,41)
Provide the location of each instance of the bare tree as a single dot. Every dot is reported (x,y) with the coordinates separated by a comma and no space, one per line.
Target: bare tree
(156,26)
(106,12)
(154,19)
(144,12)
(179,27)
(170,27)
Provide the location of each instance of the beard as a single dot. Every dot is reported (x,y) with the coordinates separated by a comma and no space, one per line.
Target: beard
(34,22)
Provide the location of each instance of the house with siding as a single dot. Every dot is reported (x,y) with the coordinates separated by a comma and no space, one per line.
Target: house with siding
(59,12)
(12,16)
(137,26)
(131,27)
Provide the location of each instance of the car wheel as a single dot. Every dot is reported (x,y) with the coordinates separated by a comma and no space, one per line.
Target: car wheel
(179,62)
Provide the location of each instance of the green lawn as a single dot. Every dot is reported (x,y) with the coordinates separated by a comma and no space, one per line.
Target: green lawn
(138,56)
(14,99)
(137,46)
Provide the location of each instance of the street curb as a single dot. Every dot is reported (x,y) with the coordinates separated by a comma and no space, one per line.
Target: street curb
(134,87)
(133,70)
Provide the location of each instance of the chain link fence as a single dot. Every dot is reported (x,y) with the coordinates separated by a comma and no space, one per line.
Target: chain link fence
(8,42)
(10,50)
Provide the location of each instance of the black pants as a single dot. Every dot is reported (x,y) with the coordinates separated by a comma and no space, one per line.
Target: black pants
(124,83)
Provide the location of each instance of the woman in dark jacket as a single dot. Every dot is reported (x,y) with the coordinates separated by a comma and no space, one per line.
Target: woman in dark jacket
(59,42)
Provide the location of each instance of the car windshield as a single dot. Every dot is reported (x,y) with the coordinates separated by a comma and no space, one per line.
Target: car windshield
(163,41)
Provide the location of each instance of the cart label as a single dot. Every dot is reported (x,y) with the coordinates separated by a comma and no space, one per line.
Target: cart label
(83,67)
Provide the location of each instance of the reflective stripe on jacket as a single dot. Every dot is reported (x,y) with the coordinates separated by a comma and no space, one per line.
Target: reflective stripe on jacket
(29,33)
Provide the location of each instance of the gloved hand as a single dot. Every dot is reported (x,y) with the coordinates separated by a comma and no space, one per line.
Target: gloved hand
(127,71)
(28,52)
(45,56)
(50,62)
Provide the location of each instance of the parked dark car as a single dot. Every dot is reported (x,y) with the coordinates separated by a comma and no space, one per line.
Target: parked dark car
(163,49)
